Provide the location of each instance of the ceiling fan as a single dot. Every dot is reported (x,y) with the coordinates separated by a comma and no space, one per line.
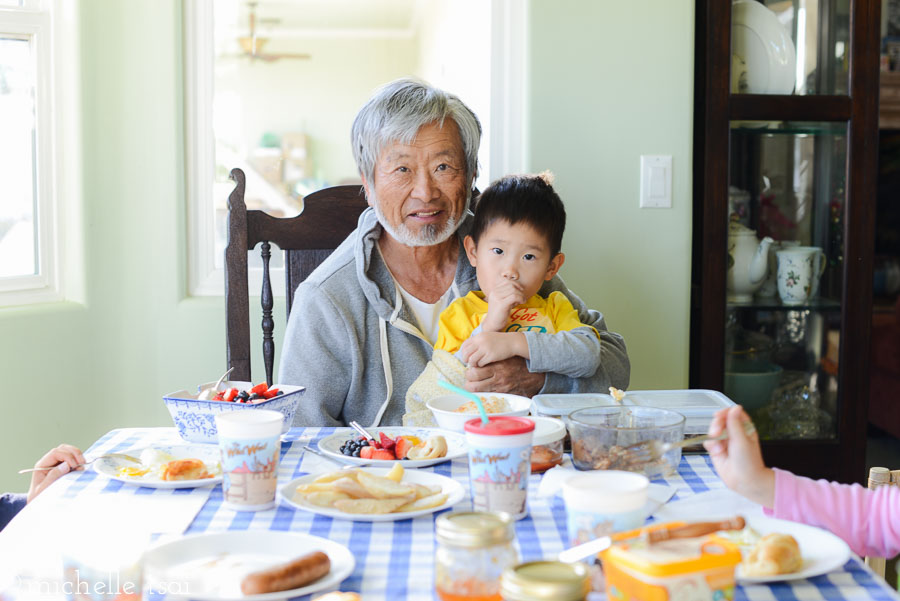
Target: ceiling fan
(252,44)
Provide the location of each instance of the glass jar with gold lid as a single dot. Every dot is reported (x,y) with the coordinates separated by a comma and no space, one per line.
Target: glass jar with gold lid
(473,550)
(545,581)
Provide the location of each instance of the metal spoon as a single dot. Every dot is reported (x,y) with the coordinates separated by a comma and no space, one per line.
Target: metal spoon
(210,392)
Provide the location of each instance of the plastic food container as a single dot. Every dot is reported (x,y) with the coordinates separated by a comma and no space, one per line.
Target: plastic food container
(697,405)
(547,444)
(699,569)
(600,436)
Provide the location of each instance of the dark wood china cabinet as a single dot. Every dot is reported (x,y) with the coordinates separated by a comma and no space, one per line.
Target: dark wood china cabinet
(785,161)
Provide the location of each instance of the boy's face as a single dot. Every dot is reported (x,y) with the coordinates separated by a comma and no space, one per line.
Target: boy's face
(512,252)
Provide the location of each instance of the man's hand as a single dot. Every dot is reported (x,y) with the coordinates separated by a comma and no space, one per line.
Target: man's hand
(509,375)
(501,301)
(65,457)
(489,347)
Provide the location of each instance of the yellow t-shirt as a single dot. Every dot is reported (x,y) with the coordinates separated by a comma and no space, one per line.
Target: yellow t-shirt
(550,315)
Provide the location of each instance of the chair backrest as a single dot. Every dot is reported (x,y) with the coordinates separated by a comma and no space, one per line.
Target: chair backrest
(328,216)
(882,476)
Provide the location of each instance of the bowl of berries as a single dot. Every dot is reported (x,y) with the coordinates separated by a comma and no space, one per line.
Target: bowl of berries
(194,414)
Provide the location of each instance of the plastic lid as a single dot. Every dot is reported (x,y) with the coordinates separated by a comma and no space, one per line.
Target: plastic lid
(500,425)
(545,581)
(474,528)
(547,430)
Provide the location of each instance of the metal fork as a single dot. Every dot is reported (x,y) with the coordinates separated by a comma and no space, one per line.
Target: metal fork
(648,451)
(116,455)
(344,464)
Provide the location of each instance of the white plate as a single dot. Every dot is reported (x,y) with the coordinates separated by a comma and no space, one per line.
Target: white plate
(759,38)
(210,567)
(454,490)
(456,445)
(822,551)
(209,454)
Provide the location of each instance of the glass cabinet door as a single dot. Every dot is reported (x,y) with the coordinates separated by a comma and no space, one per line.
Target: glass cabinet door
(784,282)
(799,47)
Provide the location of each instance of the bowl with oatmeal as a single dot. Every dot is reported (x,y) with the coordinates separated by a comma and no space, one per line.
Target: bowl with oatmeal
(600,434)
(452,411)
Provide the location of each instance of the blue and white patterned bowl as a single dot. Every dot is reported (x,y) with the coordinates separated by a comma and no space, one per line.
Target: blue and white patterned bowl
(196,420)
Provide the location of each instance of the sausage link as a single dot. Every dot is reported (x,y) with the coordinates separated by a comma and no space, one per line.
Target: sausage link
(294,574)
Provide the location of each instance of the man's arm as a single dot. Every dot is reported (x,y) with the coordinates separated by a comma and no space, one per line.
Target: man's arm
(317,354)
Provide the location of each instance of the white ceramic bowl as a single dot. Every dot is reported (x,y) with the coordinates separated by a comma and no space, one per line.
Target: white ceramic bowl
(443,408)
(196,419)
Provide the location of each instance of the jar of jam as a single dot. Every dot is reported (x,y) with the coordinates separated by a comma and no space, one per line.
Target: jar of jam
(473,550)
(545,581)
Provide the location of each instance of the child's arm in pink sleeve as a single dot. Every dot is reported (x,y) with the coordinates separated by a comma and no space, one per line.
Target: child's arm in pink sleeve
(866,519)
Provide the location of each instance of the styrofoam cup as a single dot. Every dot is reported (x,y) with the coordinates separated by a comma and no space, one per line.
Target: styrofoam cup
(602,502)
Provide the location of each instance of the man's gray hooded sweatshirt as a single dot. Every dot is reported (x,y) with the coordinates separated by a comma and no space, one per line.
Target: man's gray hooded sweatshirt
(356,347)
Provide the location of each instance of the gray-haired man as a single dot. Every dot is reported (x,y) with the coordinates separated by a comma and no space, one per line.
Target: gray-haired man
(363,324)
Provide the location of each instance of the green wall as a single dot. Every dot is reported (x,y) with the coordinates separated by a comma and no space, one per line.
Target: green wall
(608,82)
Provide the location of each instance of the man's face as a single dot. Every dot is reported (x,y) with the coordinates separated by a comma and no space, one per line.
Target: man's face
(419,190)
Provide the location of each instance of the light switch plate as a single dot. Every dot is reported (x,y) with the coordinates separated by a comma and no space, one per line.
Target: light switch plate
(656,181)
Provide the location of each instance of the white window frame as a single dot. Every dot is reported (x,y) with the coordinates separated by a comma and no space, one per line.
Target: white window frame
(34,21)
(508,135)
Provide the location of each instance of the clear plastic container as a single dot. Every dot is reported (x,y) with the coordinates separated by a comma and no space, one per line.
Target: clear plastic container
(547,445)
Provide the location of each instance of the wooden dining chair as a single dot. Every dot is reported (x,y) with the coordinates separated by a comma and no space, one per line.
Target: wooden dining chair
(328,216)
(886,568)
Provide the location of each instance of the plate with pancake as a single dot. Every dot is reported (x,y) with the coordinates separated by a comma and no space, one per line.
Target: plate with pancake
(366,495)
(165,466)
(214,566)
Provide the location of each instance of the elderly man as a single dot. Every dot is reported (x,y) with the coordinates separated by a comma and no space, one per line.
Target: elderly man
(362,326)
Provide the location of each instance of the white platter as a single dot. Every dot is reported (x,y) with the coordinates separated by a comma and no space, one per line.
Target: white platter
(209,454)
(456,445)
(452,488)
(759,38)
(210,567)
(822,551)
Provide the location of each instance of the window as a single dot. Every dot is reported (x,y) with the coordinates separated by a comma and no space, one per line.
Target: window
(29,228)
(272,88)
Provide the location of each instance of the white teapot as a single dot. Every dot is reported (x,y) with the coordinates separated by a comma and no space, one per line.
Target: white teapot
(748,262)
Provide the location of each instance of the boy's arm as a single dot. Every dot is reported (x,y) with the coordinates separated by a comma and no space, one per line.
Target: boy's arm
(573,351)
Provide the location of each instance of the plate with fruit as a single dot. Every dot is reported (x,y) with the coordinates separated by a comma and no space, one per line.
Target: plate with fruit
(415,447)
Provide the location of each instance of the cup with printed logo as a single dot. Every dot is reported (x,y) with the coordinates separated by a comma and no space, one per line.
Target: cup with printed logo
(602,502)
(249,442)
(500,463)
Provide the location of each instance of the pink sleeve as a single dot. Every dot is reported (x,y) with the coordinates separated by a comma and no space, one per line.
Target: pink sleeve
(866,519)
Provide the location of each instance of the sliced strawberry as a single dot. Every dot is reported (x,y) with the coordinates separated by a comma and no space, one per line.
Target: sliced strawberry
(387,442)
(380,454)
(366,452)
(402,447)
(269,393)
(230,394)
(259,388)
(220,396)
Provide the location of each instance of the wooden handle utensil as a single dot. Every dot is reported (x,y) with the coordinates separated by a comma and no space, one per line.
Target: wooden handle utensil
(695,529)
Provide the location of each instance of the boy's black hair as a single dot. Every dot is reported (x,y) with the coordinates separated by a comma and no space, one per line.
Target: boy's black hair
(527,199)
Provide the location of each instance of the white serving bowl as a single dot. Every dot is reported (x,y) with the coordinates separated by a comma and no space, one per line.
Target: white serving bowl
(196,419)
(443,408)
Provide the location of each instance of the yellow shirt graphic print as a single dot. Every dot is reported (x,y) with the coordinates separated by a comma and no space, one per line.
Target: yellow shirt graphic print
(530,319)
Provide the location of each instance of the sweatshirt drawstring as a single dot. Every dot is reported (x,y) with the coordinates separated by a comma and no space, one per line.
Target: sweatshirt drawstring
(386,366)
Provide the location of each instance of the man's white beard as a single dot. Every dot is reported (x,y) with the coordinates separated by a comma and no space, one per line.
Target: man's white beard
(428,236)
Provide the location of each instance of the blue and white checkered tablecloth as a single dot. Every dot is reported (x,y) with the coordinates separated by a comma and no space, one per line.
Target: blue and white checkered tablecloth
(395,560)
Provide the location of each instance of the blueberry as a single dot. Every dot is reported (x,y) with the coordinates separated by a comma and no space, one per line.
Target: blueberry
(280,392)
(244,394)
(356,452)
(255,396)
(364,443)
